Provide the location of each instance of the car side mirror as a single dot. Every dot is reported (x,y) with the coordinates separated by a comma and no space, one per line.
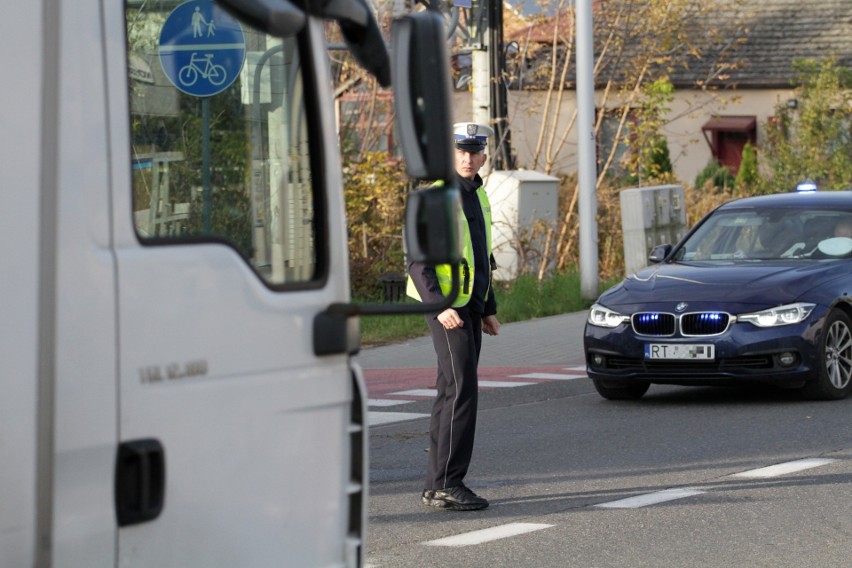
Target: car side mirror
(659,253)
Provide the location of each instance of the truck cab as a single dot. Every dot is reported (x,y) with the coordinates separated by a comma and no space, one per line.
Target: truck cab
(177,322)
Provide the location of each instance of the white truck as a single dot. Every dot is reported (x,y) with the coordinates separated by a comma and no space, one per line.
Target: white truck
(177,384)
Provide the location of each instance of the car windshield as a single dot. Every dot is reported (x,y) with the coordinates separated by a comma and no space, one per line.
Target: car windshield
(769,234)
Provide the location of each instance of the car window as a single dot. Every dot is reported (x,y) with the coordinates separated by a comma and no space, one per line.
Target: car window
(755,235)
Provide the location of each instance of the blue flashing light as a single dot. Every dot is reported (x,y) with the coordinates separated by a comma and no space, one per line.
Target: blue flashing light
(807,186)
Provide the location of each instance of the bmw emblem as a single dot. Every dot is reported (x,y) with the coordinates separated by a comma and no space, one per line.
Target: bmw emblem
(681,306)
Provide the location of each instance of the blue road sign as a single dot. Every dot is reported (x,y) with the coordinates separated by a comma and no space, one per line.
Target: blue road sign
(202,48)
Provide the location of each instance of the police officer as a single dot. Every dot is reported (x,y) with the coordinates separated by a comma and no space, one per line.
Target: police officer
(457,331)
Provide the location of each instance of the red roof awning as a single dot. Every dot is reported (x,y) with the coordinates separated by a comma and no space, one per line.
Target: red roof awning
(731,124)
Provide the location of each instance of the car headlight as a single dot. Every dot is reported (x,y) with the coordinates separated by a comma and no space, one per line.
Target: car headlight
(605,317)
(782,315)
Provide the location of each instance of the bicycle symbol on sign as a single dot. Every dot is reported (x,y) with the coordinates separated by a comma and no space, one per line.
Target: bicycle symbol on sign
(204,66)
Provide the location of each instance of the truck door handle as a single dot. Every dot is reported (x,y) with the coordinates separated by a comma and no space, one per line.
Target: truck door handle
(140,481)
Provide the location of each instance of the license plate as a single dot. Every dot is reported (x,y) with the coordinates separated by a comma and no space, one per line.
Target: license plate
(680,351)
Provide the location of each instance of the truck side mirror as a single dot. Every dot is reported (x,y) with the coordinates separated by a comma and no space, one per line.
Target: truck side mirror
(419,67)
(431,225)
(421,79)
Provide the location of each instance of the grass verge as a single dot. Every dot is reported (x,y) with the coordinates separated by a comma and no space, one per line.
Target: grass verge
(525,298)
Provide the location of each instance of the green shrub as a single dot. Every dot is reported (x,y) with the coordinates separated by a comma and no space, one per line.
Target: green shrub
(716,176)
(747,178)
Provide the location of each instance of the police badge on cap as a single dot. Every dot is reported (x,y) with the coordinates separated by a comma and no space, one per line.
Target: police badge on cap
(471,136)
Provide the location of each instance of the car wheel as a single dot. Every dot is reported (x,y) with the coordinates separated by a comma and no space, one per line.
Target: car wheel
(621,391)
(834,372)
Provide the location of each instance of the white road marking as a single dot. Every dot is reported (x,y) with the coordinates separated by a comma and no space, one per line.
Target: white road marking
(784,468)
(553,376)
(432,393)
(378,418)
(487,535)
(417,392)
(386,402)
(650,499)
(503,384)
(579,368)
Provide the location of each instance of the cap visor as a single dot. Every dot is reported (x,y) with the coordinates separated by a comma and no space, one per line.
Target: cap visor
(474,146)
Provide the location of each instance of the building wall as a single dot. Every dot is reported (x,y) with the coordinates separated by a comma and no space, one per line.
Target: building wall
(690,110)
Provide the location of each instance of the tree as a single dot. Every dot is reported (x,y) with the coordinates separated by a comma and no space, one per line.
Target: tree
(639,46)
(747,177)
(814,139)
(375,194)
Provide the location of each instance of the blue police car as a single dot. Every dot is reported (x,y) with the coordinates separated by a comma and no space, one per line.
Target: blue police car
(760,290)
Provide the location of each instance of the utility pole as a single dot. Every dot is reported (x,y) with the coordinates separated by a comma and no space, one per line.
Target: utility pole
(498,94)
(586,154)
(489,94)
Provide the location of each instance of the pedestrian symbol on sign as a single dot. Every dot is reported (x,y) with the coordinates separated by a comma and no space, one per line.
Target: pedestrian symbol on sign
(198,20)
(202,48)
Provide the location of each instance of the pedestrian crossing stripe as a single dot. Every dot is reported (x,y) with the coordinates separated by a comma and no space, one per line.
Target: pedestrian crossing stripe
(488,535)
(503,384)
(386,402)
(650,499)
(379,418)
(784,468)
(487,384)
(550,376)
(431,393)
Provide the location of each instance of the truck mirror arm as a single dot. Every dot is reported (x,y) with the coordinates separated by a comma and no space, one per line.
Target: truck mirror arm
(337,330)
(360,32)
(422,94)
(357,24)
(276,17)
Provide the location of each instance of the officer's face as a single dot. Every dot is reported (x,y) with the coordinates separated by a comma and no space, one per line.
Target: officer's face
(469,163)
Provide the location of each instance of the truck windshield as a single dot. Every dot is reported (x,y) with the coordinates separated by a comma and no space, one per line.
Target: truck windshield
(220,143)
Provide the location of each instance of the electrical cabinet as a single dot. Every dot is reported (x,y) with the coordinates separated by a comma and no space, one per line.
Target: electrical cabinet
(650,216)
(524,206)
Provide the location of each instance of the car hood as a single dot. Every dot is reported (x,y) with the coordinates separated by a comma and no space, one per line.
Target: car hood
(766,283)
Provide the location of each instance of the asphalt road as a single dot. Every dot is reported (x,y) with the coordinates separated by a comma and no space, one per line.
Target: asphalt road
(676,479)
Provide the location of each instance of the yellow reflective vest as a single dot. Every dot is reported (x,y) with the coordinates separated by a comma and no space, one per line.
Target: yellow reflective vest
(465,268)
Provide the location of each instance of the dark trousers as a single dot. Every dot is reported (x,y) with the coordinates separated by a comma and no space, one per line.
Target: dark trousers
(453,423)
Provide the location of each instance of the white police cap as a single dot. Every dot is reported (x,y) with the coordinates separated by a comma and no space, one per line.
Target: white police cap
(471,136)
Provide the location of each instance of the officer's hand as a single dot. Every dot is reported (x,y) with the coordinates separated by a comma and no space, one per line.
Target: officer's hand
(450,319)
(490,325)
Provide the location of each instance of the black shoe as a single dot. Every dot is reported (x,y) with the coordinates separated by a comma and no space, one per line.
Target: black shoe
(458,498)
(426,497)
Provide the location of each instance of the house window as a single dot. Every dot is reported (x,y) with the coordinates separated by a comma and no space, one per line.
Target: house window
(727,136)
